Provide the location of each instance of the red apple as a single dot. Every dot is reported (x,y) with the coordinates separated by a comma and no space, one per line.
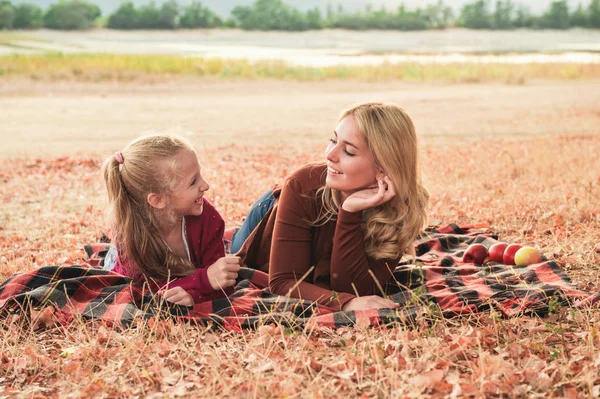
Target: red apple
(477,254)
(527,256)
(509,254)
(497,252)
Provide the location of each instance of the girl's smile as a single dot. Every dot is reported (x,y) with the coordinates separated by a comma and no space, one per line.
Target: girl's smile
(187,196)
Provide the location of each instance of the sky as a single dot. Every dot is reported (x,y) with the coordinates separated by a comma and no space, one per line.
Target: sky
(223,7)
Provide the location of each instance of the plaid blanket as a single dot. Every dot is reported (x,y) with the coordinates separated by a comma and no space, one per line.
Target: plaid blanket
(436,283)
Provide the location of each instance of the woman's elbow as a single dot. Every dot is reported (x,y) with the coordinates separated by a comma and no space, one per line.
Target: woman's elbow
(279,286)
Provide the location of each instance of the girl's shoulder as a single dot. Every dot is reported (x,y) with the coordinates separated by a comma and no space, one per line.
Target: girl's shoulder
(209,214)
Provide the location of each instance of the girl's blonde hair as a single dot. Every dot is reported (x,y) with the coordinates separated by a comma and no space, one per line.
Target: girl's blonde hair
(147,165)
(389,229)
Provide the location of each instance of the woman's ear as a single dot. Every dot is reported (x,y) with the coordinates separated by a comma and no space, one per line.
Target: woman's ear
(157,201)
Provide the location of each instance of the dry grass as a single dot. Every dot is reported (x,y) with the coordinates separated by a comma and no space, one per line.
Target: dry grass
(544,191)
(106,67)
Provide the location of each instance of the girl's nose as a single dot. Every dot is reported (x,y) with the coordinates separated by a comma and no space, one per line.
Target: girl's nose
(204,186)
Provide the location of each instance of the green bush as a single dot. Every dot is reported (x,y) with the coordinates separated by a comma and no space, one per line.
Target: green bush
(503,15)
(197,16)
(278,15)
(313,19)
(169,15)
(594,14)
(476,15)
(438,15)
(409,20)
(148,17)
(71,15)
(125,17)
(269,15)
(557,17)
(28,16)
(523,18)
(579,17)
(7,15)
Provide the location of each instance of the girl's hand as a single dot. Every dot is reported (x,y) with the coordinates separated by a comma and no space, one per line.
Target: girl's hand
(223,272)
(369,302)
(178,296)
(370,197)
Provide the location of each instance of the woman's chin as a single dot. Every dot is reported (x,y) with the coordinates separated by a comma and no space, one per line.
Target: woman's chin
(332,185)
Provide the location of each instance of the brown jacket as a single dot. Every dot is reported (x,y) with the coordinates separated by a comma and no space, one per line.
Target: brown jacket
(286,246)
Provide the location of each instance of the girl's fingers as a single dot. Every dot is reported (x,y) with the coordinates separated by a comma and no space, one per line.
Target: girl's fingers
(168,293)
(233,267)
(183,302)
(187,301)
(178,296)
(173,298)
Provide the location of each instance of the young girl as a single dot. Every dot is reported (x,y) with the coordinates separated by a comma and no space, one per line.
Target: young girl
(334,231)
(165,232)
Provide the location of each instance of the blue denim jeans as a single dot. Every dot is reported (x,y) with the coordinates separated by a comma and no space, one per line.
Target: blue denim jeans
(255,215)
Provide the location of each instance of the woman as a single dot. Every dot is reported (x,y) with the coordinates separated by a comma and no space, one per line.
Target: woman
(334,231)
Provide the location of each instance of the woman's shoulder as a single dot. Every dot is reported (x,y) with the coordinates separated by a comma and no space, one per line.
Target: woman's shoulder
(309,177)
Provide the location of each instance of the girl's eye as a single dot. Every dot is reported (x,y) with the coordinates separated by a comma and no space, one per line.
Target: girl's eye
(193,183)
(333,141)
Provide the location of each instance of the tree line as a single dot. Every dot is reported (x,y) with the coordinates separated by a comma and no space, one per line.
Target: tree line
(277,15)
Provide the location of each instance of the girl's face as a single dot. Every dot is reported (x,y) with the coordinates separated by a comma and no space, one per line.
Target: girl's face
(186,197)
(350,163)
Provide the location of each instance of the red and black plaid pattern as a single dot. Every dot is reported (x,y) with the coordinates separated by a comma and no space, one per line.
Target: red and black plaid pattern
(437,282)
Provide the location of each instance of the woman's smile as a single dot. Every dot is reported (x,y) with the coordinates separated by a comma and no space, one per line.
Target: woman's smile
(333,171)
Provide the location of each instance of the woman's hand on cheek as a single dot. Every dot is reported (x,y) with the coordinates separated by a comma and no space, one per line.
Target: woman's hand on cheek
(369,302)
(370,197)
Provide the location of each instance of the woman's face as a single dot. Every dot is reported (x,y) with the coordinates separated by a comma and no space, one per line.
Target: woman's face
(350,163)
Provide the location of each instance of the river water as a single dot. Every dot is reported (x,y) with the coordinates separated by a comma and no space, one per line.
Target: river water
(325,47)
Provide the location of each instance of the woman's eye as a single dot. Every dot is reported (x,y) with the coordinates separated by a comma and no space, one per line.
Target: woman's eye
(333,141)
(193,183)
(348,153)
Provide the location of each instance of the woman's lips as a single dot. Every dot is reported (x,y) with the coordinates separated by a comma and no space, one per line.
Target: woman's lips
(333,171)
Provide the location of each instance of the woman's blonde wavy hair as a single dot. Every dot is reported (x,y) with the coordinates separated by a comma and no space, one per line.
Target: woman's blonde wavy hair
(149,166)
(389,229)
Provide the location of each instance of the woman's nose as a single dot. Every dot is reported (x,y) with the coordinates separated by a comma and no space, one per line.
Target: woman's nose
(330,153)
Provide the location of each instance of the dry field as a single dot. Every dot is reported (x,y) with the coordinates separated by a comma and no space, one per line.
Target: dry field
(521,158)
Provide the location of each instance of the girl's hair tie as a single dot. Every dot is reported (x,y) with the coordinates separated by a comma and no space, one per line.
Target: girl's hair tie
(119,158)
